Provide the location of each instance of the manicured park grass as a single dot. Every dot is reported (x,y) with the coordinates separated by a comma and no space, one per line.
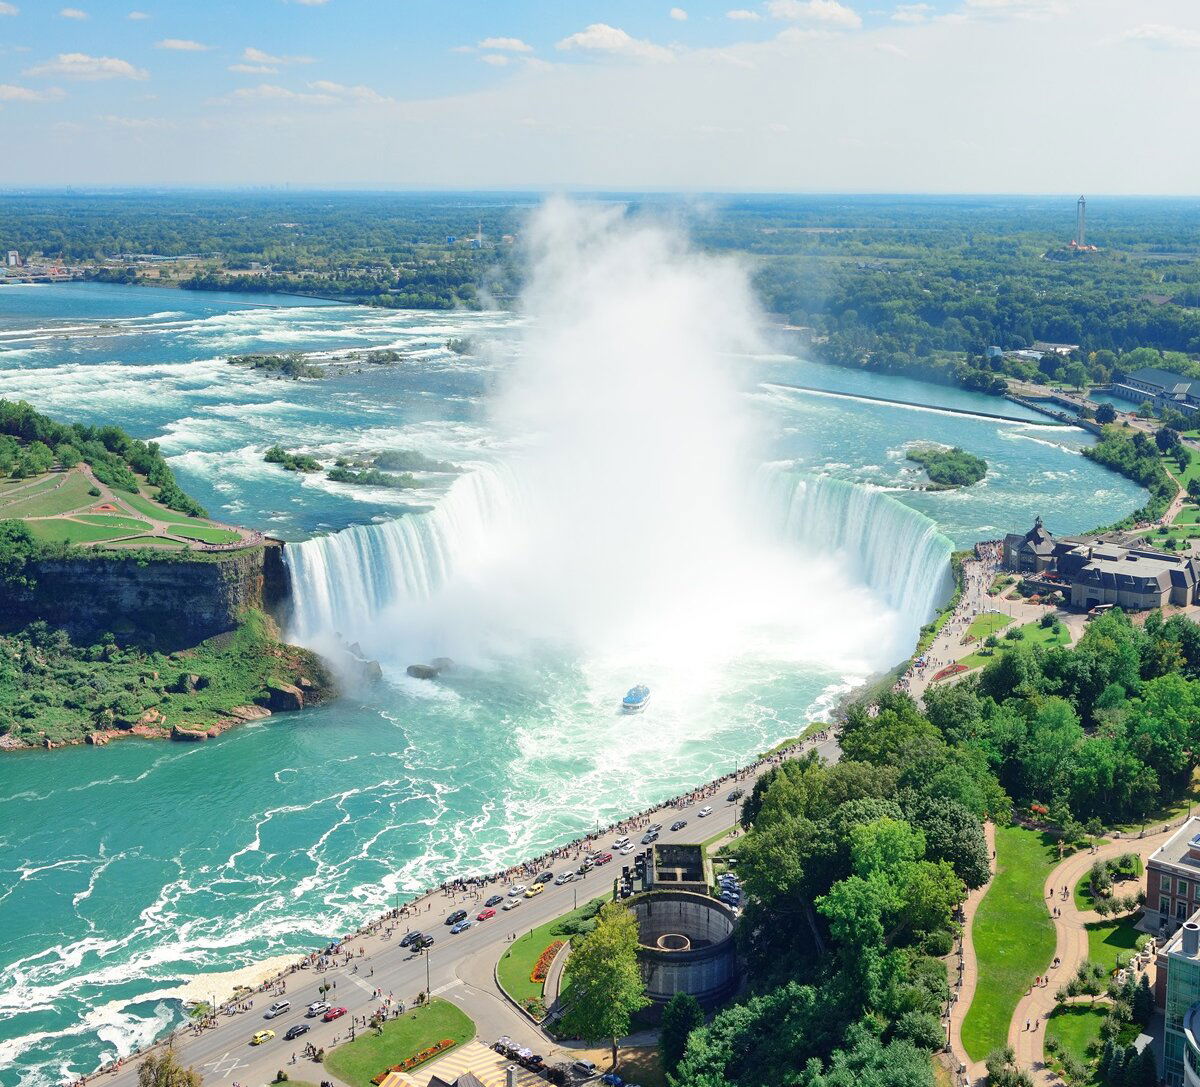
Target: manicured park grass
(111,520)
(73,532)
(1035,634)
(1108,939)
(357,1062)
(1076,1027)
(1012,934)
(152,509)
(71,495)
(13,489)
(152,541)
(206,534)
(990,622)
(516,964)
(1189,515)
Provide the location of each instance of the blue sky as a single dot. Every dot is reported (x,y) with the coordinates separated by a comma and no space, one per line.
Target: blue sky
(945,95)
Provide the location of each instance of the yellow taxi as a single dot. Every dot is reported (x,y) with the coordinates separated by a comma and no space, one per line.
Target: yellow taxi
(262,1036)
(535,890)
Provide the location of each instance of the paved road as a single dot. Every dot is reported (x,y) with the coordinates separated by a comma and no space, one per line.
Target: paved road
(459,968)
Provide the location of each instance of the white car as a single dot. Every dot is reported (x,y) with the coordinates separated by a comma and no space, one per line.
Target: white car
(703,812)
(563,877)
(626,851)
(278,1008)
(317,1008)
(516,890)
(511,904)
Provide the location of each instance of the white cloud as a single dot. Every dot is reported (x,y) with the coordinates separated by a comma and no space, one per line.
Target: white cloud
(85,67)
(912,13)
(254,69)
(270,92)
(602,38)
(136,123)
(8,9)
(137,15)
(496,60)
(1165,37)
(1020,9)
(257,56)
(182,45)
(743,15)
(357,93)
(678,14)
(73,13)
(510,45)
(823,12)
(10,92)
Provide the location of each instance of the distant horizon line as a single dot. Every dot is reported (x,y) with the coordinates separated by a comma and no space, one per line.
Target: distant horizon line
(288,188)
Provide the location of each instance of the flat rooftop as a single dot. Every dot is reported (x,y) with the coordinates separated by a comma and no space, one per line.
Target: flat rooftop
(1174,851)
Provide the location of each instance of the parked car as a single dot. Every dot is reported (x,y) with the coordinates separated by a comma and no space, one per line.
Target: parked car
(277,1009)
(296,1031)
(612,1080)
(679,824)
(495,900)
(563,877)
(516,890)
(736,794)
(484,915)
(706,810)
(455,917)
(462,926)
(584,1068)
(316,1008)
(545,877)
(262,1036)
(333,1013)
(603,858)
(535,890)
(511,904)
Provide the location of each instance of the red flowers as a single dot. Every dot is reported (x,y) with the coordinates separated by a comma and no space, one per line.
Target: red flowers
(542,967)
(415,1059)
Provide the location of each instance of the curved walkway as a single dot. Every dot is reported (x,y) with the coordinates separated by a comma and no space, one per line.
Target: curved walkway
(969,970)
(1071,946)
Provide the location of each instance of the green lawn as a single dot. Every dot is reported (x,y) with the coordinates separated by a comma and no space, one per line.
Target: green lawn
(1013,936)
(1121,888)
(1035,634)
(206,535)
(12,489)
(72,532)
(153,509)
(357,1062)
(516,964)
(1189,515)
(152,541)
(111,520)
(70,496)
(1108,939)
(990,622)
(1076,1027)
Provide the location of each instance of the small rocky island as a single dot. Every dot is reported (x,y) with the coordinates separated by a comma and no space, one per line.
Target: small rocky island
(947,468)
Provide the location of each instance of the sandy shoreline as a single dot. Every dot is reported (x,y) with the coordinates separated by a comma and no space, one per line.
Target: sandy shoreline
(222,984)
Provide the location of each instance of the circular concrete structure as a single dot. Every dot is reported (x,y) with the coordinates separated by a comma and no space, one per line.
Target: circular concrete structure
(685,946)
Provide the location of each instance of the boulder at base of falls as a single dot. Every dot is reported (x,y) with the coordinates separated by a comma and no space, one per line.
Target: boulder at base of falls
(282,697)
(422,671)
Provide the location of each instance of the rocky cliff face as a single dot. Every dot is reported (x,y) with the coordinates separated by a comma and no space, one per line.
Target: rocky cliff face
(169,604)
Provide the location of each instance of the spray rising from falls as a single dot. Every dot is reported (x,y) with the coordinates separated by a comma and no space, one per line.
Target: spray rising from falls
(625,529)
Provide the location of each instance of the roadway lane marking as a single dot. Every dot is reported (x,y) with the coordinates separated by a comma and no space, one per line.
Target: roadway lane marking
(360,983)
(447,987)
(225,1064)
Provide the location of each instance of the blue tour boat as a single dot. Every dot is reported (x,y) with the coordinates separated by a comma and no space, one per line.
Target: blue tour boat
(635,699)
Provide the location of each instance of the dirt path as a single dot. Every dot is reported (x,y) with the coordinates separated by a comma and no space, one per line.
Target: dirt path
(969,970)
(1071,946)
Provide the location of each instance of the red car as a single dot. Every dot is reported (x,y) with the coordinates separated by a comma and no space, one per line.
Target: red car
(333,1013)
(483,915)
(603,858)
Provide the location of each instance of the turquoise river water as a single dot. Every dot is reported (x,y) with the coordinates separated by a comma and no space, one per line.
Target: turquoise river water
(128,869)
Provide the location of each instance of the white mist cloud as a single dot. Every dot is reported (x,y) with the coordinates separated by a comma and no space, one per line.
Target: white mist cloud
(820,12)
(182,45)
(511,45)
(73,13)
(602,38)
(7,8)
(10,92)
(678,14)
(83,67)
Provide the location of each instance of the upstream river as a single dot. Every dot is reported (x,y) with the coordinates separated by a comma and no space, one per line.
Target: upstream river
(126,870)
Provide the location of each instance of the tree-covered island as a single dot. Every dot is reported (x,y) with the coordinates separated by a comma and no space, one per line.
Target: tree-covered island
(948,467)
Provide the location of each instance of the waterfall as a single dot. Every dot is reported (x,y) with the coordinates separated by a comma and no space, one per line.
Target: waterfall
(895,550)
(341,581)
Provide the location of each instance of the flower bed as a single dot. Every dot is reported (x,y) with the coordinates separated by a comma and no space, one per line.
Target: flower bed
(416,1059)
(542,967)
(948,671)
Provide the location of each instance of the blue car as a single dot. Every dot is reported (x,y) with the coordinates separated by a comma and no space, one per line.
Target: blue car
(462,926)
(612,1079)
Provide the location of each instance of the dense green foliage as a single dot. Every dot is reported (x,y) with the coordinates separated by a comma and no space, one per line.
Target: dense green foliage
(411,460)
(1135,456)
(113,455)
(292,462)
(53,688)
(851,871)
(293,365)
(949,467)
(373,477)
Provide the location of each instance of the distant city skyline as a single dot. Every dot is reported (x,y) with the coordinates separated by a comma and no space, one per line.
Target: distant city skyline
(962,96)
